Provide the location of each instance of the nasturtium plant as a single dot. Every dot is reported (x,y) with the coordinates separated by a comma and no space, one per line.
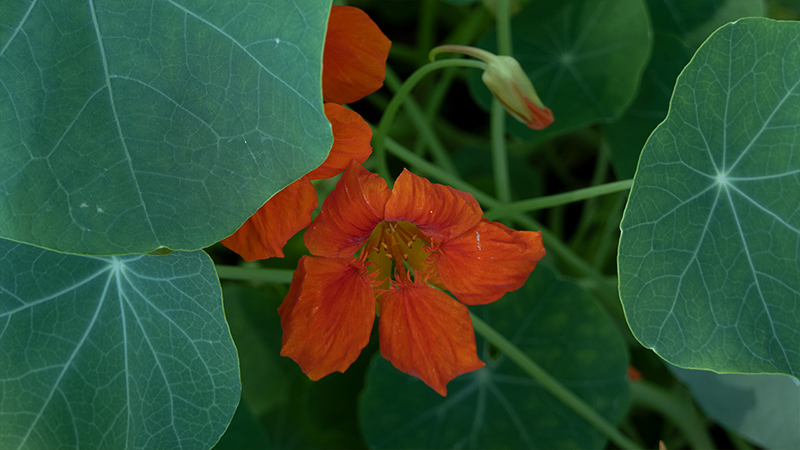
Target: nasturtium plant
(709,258)
(133,126)
(199,230)
(498,406)
(114,352)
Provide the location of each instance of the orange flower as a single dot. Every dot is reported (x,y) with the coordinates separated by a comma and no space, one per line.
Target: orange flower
(353,66)
(415,241)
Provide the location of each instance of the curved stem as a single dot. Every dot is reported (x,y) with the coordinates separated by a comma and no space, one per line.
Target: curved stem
(418,118)
(283,276)
(552,385)
(550,201)
(394,105)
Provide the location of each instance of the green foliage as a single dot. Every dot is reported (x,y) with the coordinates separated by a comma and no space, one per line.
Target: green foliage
(118,352)
(679,27)
(499,406)
(129,126)
(708,258)
(131,133)
(585,59)
(763,408)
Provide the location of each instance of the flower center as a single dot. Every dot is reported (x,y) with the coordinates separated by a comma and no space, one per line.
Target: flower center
(395,248)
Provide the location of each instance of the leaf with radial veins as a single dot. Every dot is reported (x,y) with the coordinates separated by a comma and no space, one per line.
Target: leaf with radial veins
(126,126)
(118,352)
(709,257)
(679,27)
(499,406)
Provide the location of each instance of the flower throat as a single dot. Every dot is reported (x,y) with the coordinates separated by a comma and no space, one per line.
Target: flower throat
(395,248)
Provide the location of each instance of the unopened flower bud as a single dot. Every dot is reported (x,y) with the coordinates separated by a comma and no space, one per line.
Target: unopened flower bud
(509,84)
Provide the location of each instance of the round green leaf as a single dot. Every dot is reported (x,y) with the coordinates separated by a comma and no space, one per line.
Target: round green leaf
(709,257)
(585,59)
(128,126)
(129,352)
(499,406)
(679,27)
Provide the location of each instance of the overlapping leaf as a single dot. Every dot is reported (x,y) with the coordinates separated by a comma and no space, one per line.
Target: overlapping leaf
(118,352)
(679,27)
(500,406)
(763,408)
(709,258)
(125,126)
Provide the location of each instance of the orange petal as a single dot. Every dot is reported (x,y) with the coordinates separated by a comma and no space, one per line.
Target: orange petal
(540,118)
(427,334)
(349,214)
(484,263)
(265,233)
(351,136)
(439,211)
(354,59)
(327,315)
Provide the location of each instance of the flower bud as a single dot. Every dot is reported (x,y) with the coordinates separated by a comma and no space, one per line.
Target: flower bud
(509,84)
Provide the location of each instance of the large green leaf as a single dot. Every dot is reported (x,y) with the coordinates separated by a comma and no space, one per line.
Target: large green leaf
(679,27)
(709,257)
(499,406)
(118,352)
(763,408)
(585,58)
(125,126)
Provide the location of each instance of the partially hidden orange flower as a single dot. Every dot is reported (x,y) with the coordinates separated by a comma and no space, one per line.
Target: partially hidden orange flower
(354,65)
(395,251)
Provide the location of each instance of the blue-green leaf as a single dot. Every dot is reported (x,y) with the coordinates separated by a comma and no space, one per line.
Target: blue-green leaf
(679,27)
(118,352)
(763,408)
(126,126)
(709,257)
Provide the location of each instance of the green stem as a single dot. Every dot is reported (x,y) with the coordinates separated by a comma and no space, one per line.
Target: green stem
(466,32)
(424,127)
(607,243)
(503,17)
(552,385)
(682,414)
(426,28)
(283,276)
(550,201)
(402,93)
(590,208)
(502,183)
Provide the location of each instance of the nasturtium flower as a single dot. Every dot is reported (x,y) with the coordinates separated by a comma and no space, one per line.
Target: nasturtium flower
(509,84)
(353,66)
(396,251)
